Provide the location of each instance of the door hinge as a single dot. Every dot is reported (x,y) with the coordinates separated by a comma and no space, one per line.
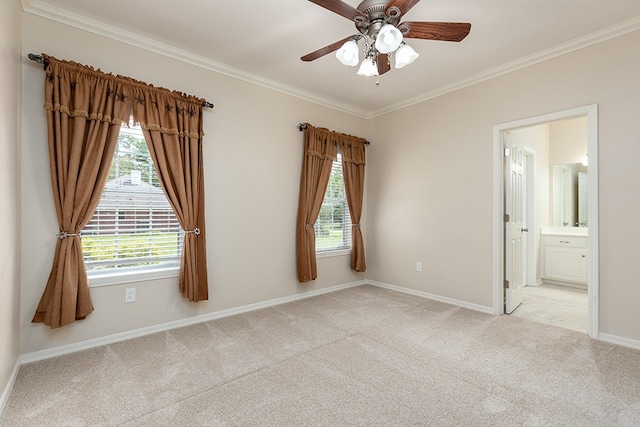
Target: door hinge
(506,284)
(506,217)
(506,151)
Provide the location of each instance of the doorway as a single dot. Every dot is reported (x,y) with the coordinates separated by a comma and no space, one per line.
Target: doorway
(500,227)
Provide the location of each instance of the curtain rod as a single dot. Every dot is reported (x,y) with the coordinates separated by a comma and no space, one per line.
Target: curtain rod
(302,126)
(40,60)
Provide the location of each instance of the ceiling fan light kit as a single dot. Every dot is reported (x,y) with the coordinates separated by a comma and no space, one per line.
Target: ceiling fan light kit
(405,55)
(388,39)
(379,26)
(348,53)
(368,68)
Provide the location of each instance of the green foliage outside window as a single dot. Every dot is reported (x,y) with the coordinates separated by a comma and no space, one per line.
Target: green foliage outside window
(330,225)
(130,247)
(132,154)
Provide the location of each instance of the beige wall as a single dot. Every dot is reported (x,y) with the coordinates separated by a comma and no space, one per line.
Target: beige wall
(431,171)
(428,191)
(251,134)
(568,141)
(10,81)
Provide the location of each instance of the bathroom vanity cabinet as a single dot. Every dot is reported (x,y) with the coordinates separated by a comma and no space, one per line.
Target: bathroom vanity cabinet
(564,259)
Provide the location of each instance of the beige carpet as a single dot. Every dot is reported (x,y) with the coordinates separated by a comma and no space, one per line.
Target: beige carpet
(362,356)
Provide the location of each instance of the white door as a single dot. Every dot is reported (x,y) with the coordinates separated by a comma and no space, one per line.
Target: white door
(514,209)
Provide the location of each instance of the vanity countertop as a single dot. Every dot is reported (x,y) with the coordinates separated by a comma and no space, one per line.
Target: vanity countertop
(564,231)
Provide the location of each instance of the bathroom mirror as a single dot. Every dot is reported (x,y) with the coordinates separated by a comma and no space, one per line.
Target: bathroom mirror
(569,195)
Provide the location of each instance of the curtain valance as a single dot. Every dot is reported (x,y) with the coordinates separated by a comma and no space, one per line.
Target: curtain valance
(82,91)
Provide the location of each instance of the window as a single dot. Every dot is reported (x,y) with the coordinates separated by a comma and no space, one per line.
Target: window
(333,226)
(133,228)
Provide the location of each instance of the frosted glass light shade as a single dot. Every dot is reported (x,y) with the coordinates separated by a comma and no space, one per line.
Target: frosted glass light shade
(368,68)
(348,53)
(405,55)
(389,38)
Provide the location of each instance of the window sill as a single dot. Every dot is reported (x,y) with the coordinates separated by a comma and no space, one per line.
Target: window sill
(329,254)
(118,278)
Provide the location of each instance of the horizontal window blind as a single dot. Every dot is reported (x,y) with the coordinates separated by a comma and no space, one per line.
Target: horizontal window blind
(333,226)
(133,226)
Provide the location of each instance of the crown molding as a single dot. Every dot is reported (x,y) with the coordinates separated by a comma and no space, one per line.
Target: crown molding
(44,10)
(527,61)
(38,8)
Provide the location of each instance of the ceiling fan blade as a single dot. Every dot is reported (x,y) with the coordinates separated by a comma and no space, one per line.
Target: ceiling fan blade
(445,31)
(403,5)
(325,50)
(339,7)
(382,61)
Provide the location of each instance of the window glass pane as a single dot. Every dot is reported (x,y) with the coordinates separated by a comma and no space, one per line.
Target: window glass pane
(333,226)
(134,226)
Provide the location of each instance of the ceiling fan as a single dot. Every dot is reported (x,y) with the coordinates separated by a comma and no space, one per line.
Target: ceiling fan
(382,33)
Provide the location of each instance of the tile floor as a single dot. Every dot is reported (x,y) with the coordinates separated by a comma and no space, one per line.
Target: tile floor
(556,305)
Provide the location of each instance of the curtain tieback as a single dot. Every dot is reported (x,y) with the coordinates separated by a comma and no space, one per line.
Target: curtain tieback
(356,225)
(63,235)
(195,231)
(308,226)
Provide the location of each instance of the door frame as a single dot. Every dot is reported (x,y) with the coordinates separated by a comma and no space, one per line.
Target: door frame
(591,112)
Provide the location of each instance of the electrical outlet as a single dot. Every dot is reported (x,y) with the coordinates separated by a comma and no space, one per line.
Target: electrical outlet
(418,265)
(130,295)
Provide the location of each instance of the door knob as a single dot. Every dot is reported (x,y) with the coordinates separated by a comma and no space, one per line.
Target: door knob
(525,230)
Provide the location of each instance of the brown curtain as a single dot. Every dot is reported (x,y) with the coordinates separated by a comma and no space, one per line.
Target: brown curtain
(172,126)
(85,109)
(320,150)
(353,161)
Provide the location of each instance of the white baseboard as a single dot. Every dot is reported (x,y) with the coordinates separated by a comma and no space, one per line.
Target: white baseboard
(625,342)
(565,284)
(4,398)
(123,336)
(612,339)
(96,342)
(464,304)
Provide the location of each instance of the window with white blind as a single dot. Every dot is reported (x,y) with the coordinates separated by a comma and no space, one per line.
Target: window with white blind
(333,226)
(133,228)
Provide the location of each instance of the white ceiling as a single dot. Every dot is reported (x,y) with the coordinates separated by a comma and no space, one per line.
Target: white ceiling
(262,41)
